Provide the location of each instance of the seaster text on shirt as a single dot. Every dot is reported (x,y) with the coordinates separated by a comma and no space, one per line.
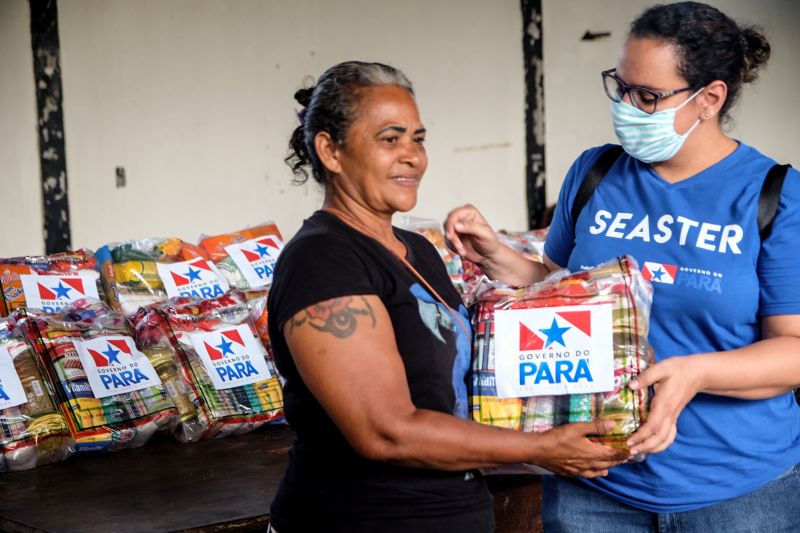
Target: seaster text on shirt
(703,235)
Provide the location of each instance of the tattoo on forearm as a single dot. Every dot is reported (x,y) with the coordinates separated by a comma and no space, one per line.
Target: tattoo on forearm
(338,316)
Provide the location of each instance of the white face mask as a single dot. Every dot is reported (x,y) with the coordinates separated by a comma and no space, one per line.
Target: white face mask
(650,138)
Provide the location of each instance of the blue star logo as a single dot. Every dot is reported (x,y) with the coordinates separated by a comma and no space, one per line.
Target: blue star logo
(112,354)
(262,250)
(555,334)
(62,291)
(193,274)
(658,273)
(225,346)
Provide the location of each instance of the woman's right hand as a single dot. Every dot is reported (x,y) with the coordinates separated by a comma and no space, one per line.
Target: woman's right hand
(469,234)
(566,450)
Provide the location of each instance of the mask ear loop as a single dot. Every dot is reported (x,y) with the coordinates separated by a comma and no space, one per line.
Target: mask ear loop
(691,98)
(698,121)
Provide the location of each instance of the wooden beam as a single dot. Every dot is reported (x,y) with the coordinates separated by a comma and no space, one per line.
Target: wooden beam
(534,112)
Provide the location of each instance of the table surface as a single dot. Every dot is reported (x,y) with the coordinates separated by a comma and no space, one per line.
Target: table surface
(210,486)
(224,484)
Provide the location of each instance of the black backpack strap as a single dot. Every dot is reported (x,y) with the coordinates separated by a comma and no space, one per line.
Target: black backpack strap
(768,200)
(593,179)
(768,207)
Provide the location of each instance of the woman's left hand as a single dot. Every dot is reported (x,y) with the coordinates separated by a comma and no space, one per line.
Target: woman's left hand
(676,381)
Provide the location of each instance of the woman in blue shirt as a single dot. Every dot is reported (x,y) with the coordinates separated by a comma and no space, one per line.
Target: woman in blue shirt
(723,436)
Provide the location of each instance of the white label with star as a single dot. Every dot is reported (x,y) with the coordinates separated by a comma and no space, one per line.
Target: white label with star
(114,365)
(256,259)
(554,350)
(197,278)
(11,391)
(232,357)
(54,293)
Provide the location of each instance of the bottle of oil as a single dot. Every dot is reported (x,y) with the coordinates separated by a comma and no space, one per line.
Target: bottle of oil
(163,362)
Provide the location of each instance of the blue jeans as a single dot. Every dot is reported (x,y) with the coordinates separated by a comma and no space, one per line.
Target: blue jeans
(571,507)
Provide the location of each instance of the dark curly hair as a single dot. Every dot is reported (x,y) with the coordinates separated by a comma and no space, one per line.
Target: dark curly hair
(331,106)
(711,46)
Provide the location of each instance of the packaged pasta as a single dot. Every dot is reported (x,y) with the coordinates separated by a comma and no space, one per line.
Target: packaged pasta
(32,430)
(223,380)
(140,273)
(108,391)
(246,258)
(563,350)
(49,282)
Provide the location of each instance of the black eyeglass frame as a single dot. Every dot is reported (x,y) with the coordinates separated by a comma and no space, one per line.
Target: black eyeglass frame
(611,73)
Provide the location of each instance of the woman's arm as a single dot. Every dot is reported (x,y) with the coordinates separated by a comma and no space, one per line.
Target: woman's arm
(469,235)
(761,370)
(346,354)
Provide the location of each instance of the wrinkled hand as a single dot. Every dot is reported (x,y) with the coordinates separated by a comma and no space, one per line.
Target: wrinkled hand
(676,382)
(569,453)
(469,235)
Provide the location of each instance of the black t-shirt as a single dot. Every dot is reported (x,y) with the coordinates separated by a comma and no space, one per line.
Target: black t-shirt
(328,486)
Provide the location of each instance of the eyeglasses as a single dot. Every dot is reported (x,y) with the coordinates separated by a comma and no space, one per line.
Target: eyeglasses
(642,98)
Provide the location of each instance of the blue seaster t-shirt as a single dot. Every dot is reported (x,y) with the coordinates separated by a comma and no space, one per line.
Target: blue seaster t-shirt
(698,242)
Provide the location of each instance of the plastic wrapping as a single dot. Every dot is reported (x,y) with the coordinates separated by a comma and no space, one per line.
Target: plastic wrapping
(465,275)
(528,243)
(618,283)
(219,373)
(106,387)
(32,430)
(246,258)
(434,232)
(48,282)
(257,303)
(141,273)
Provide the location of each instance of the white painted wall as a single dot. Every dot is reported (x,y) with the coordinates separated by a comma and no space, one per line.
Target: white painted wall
(577,109)
(21,208)
(194,99)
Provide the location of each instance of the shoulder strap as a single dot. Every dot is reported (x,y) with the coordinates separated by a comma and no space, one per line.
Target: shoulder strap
(593,179)
(768,200)
(364,230)
(768,207)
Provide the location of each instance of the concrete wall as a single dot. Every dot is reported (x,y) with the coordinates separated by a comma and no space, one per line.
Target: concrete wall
(21,217)
(194,99)
(577,109)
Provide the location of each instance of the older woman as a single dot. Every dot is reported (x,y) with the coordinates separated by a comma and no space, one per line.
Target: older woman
(373,340)
(724,428)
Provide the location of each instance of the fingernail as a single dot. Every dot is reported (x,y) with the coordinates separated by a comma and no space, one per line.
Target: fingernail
(458,227)
(634,384)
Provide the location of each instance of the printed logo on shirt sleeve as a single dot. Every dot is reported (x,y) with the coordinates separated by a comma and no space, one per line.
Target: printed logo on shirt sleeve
(698,278)
(659,272)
